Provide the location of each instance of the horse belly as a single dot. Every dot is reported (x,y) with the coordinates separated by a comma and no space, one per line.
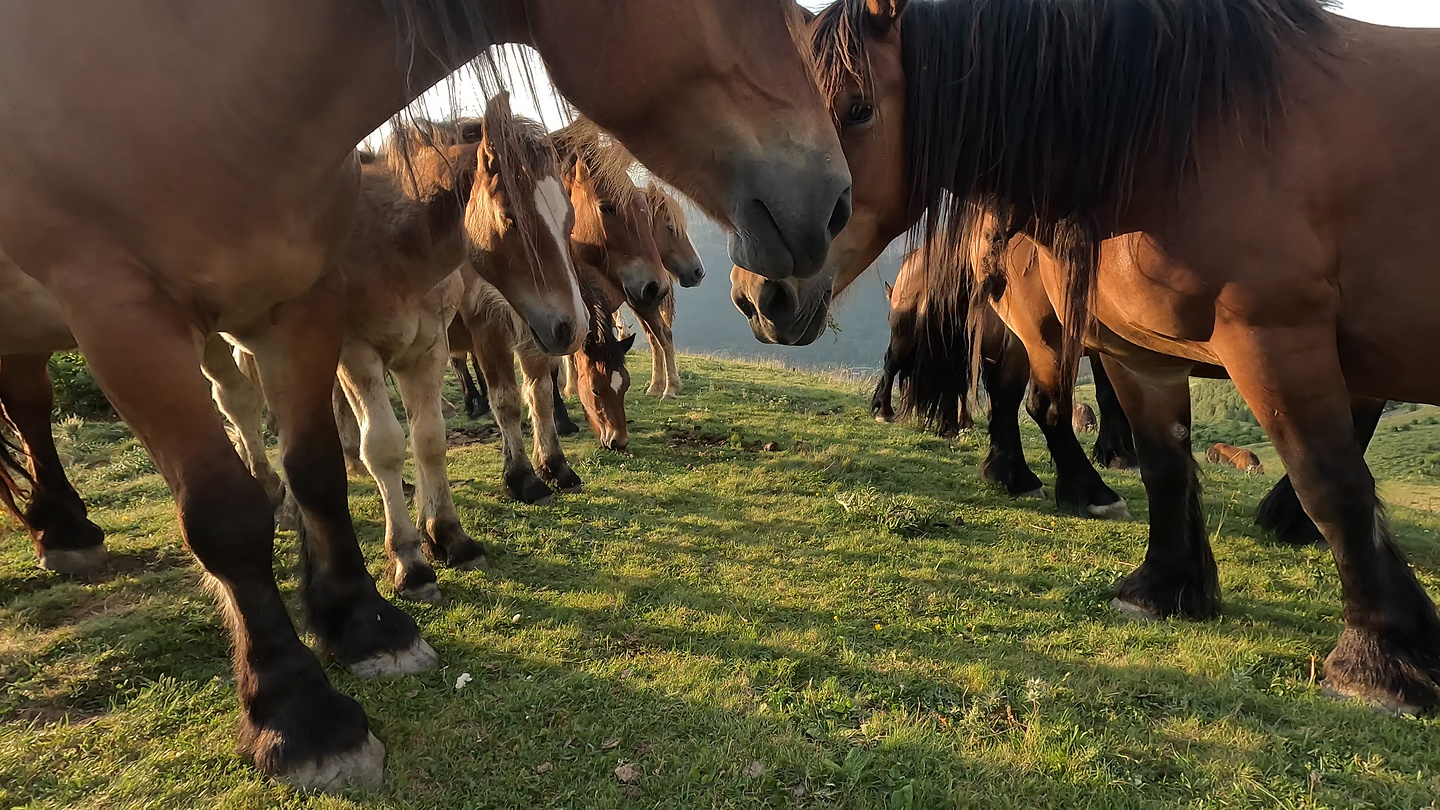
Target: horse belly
(30,318)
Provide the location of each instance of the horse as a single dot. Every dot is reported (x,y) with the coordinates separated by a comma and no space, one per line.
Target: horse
(1206,185)
(1082,418)
(98,204)
(1238,457)
(671,232)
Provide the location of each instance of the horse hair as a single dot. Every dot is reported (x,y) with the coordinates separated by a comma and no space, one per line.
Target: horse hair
(1044,110)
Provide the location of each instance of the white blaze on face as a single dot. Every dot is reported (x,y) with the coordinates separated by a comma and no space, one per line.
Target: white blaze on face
(615,381)
(552,203)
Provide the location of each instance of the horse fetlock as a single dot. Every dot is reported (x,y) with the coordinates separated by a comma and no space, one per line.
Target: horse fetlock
(1392,671)
(448,542)
(1151,591)
(299,730)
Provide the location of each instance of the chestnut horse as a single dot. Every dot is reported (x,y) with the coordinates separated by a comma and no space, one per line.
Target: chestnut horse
(671,232)
(1184,218)
(1237,457)
(184,200)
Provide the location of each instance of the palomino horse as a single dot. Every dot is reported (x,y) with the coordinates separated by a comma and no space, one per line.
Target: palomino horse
(677,253)
(1183,217)
(1232,456)
(184,200)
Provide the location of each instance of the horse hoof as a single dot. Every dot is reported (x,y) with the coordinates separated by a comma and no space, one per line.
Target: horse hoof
(653,391)
(426,592)
(1034,494)
(364,766)
(564,479)
(1134,611)
(1369,668)
(73,560)
(1112,511)
(477,563)
(418,657)
(668,395)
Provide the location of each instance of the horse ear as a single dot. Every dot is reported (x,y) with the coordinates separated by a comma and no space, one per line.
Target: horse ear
(625,344)
(889,289)
(806,15)
(498,105)
(582,171)
(883,14)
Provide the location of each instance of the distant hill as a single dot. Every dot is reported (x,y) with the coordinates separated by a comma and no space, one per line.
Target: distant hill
(707,322)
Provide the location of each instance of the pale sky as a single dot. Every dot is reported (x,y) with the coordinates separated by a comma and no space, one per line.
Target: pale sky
(469,99)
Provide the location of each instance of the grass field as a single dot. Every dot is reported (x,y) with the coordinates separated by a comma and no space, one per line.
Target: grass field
(848,620)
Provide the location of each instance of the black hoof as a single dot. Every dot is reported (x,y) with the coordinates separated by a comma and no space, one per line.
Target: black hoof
(565,427)
(1147,592)
(563,477)
(1090,498)
(1015,477)
(527,487)
(302,732)
(1367,667)
(449,544)
(415,581)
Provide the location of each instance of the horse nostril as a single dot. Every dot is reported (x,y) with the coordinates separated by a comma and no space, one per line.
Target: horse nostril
(776,303)
(650,293)
(564,332)
(742,303)
(699,273)
(841,215)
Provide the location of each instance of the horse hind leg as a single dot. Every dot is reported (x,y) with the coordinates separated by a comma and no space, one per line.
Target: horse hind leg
(348,425)
(446,540)
(1178,576)
(494,350)
(1006,373)
(65,539)
(882,403)
(549,455)
(655,333)
(1389,651)
(293,724)
(1280,513)
(297,356)
(1114,441)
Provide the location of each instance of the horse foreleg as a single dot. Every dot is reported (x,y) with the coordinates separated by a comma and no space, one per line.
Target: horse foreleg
(382,448)
(564,425)
(297,354)
(572,379)
(882,405)
(65,538)
(495,352)
(549,455)
(240,399)
(145,357)
(1006,372)
(1178,576)
(1280,512)
(1051,404)
(667,319)
(1114,441)
(419,385)
(1389,651)
(658,334)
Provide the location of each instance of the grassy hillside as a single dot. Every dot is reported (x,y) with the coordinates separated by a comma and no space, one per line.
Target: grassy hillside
(850,619)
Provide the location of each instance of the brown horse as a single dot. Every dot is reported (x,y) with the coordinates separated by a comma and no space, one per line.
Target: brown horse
(1083,419)
(677,253)
(184,200)
(1237,457)
(1183,217)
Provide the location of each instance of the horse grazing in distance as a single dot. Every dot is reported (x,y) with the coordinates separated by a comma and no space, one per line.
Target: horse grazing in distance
(671,233)
(1082,418)
(98,203)
(1202,186)
(1238,457)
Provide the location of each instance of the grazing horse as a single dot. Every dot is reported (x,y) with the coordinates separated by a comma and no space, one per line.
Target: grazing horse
(1237,457)
(677,253)
(1082,418)
(1219,184)
(184,200)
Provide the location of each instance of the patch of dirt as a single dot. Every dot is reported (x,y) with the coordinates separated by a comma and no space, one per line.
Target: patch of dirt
(460,437)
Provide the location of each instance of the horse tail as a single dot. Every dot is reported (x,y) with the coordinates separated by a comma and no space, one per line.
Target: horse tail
(14,480)
(935,379)
(1077,247)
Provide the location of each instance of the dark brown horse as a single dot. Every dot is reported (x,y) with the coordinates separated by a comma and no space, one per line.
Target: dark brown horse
(1182,217)
(181,198)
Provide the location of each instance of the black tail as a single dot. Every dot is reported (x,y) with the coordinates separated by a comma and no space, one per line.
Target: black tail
(14,480)
(935,379)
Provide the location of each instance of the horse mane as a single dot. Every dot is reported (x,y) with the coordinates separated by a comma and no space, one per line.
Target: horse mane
(608,160)
(1041,112)
(601,343)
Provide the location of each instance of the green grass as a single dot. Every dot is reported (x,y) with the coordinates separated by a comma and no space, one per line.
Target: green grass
(849,620)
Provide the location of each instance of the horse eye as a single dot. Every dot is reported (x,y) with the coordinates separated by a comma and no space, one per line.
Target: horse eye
(607,208)
(859,112)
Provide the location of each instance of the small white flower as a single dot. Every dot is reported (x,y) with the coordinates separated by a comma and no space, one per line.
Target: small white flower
(515,619)
(462,680)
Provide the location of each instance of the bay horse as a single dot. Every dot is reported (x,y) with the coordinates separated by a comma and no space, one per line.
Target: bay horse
(183,200)
(1206,185)
(1237,457)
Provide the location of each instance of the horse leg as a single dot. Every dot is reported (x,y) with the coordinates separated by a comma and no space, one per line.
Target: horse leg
(572,381)
(419,385)
(1178,576)
(297,354)
(477,404)
(144,355)
(494,350)
(1114,441)
(882,404)
(564,425)
(348,426)
(242,402)
(1389,651)
(549,456)
(658,335)
(1280,512)
(382,448)
(65,538)
(1051,404)
(1006,372)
